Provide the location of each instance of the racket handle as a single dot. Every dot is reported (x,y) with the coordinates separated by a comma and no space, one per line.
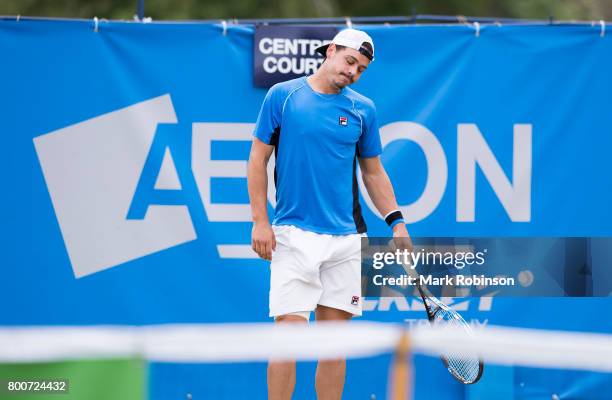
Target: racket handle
(400,387)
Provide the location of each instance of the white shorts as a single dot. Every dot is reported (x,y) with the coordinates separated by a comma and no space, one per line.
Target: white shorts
(309,269)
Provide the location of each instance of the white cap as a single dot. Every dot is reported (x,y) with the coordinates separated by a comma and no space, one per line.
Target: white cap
(353,39)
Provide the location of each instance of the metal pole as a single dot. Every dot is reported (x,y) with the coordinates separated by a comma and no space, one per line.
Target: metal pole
(140,10)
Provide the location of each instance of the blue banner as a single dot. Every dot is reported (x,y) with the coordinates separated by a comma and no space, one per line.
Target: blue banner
(124,176)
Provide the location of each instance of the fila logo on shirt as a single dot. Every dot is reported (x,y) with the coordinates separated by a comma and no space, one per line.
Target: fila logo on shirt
(343,121)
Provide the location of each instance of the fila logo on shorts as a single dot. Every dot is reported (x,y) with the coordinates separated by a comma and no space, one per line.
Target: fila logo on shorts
(355,300)
(343,121)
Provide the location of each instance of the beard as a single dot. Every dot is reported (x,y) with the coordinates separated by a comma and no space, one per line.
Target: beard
(343,81)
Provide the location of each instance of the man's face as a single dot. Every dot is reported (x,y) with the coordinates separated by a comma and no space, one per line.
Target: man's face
(345,66)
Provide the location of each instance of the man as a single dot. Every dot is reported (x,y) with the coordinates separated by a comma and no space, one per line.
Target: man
(318,129)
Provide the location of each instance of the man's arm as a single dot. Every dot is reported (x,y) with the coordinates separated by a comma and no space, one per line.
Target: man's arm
(379,188)
(262,237)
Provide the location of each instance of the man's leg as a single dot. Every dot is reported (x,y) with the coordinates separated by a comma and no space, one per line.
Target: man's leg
(281,374)
(329,381)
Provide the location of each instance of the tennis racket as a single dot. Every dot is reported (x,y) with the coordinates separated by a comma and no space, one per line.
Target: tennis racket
(465,367)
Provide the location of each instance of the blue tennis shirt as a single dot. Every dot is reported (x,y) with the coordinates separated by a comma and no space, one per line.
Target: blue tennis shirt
(317,139)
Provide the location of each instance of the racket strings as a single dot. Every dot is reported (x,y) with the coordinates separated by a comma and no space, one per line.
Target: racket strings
(464,365)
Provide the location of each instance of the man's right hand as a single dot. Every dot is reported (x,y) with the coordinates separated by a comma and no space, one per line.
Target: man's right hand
(263,240)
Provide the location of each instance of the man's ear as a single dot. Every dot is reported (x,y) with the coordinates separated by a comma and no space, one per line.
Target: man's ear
(331,49)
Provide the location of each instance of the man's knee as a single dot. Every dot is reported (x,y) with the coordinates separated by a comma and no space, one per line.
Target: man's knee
(296,317)
(325,313)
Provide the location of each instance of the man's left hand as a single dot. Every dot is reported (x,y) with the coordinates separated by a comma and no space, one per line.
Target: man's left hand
(401,238)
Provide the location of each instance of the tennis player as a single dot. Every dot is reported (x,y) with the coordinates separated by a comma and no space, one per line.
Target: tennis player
(318,129)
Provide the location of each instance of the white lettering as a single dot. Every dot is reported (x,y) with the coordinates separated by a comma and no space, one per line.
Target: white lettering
(313,46)
(472,149)
(303,43)
(204,168)
(286,65)
(312,65)
(278,46)
(283,65)
(437,169)
(291,46)
(265,45)
(269,64)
